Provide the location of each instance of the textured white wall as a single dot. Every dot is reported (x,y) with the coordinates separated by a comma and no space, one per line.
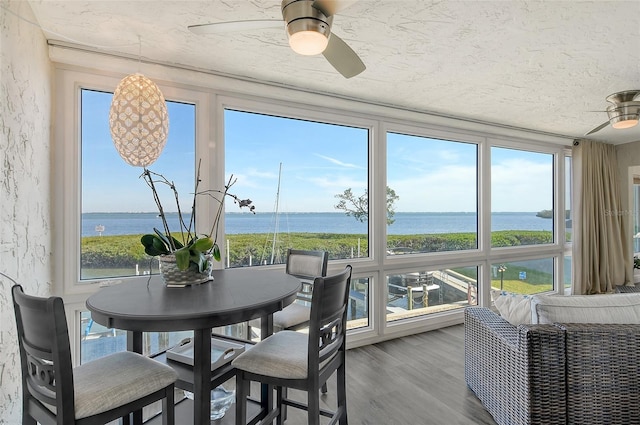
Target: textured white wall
(25,181)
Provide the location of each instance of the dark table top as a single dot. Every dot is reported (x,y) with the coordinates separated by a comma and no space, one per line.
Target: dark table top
(234,296)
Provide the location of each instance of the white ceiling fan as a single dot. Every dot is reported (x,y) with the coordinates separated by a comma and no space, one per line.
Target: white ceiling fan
(308,26)
(624,111)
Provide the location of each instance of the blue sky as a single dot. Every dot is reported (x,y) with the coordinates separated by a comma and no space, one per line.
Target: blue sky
(318,162)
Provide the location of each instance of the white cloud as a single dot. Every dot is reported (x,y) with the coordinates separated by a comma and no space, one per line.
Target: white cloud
(338,162)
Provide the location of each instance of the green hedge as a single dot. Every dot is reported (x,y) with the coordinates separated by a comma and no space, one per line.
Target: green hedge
(126,250)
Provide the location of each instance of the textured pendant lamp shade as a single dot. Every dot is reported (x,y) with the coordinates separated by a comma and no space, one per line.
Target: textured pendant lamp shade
(139,120)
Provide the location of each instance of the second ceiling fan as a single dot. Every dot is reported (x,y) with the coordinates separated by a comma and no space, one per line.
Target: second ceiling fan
(624,111)
(308,26)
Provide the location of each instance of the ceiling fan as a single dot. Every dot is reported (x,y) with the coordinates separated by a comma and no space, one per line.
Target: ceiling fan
(624,111)
(308,25)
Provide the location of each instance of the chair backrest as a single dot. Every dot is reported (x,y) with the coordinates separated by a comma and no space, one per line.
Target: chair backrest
(307,264)
(328,322)
(45,353)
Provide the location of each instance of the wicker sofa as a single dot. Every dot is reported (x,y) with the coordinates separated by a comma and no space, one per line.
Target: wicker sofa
(550,372)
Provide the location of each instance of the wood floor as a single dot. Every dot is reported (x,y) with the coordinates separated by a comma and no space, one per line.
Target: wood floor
(415,380)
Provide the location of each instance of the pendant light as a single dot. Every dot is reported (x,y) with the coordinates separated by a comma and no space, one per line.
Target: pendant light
(138,120)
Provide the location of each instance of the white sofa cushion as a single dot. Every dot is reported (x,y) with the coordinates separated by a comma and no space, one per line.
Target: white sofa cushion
(514,308)
(606,308)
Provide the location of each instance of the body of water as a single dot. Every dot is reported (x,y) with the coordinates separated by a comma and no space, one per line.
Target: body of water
(94,224)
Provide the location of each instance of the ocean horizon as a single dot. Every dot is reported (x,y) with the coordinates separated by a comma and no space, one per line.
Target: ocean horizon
(406,223)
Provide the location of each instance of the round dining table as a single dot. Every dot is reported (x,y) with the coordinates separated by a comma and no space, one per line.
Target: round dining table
(233,296)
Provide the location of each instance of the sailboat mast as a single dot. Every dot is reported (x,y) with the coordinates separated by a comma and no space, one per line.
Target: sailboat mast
(277,220)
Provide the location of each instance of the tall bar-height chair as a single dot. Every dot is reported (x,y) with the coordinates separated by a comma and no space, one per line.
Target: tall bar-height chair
(97,392)
(290,359)
(305,265)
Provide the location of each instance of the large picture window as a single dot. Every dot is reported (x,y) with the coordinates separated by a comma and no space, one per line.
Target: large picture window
(295,171)
(521,197)
(117,205)
(117,208)
(427,216)
(434,188)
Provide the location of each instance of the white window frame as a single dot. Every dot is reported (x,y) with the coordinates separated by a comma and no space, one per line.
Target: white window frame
(362,266)
(67,173)
(67,188)
(212,94)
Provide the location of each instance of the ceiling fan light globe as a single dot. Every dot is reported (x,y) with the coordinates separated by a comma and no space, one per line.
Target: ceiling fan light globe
(625,123)
(308,28)
(308,43)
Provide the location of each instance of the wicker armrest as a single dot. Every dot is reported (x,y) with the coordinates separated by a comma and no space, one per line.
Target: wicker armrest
(493,324)
(603,373)
(516,371)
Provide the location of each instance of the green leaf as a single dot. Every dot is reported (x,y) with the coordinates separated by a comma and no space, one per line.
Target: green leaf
(153,245)
(160,245)
(147,240)
(216,252)
(177,243)
(203,244)
(182,258)
(201,260)
(162,237)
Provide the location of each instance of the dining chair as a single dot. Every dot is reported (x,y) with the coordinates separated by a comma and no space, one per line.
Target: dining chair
(297,360)
(305,265)
(96,392)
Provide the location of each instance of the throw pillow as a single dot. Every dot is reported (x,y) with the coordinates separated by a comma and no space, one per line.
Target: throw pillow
(515,308)
(603,308)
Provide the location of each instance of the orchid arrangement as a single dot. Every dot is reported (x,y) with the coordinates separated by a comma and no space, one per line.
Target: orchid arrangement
(188,247)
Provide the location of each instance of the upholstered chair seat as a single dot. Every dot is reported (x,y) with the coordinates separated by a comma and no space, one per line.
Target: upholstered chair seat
(292,316)
(283,355)
(123,377)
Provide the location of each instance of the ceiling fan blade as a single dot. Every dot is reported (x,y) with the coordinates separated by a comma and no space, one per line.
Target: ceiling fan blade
(343,58)
(598,128)
(231,26)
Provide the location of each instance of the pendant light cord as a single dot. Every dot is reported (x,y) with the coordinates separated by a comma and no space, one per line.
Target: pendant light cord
(139,52)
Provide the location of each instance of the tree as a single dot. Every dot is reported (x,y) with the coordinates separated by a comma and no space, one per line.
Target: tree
(358,206)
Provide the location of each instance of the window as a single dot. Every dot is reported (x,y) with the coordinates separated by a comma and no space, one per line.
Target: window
(433,186)
(523,277)
(421,292)
(358,307)
(113,219)
(568,204)
(97,341)
(568,215)
(426,215)
(521,197)
(568,272)
(635,214)
(294,171)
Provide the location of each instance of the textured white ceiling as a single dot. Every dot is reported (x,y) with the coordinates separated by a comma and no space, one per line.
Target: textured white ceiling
(541,65)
